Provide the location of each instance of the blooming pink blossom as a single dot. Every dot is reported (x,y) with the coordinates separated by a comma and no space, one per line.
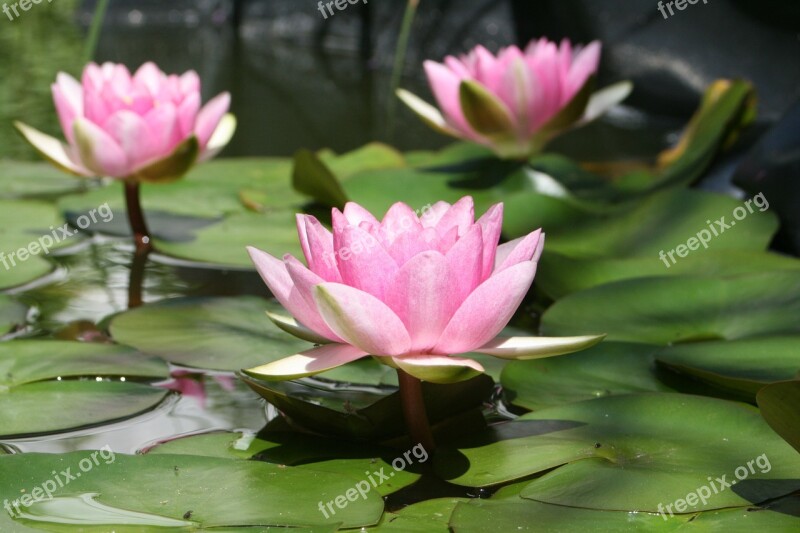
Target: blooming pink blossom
(145,127)
(516,101)
(413,291)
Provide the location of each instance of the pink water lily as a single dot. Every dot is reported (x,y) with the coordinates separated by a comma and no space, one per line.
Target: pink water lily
(144,127)
(517,101)
(414,291)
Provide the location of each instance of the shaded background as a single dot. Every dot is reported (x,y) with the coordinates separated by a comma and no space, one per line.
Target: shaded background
(300,80)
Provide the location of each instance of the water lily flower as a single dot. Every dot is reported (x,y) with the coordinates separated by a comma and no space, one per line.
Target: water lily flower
(416,292)
(517,101)
(148,127)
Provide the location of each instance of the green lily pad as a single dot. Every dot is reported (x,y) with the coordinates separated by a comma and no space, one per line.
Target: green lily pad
(182,490)
(526,515)
(429,516)
(12,313)
(305,451)
(213,333)
(660,222)
(388,470)
(780,406)
(610,368)
(738,368)
(681,308)
(366,414)
(27,231)
(224,243)
(210,190)
(53,406)
(28,361)
(38,393)
(559,275)
(20,179)
(632,453)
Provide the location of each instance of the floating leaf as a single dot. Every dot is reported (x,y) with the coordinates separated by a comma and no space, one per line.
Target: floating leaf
(738,368)
(202,492)
(631,453)
(213,333)
(681,308)
(780,406)
(610,368)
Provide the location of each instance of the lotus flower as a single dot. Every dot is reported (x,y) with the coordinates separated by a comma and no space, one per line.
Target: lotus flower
(515,102)
(413,291)
(145,127)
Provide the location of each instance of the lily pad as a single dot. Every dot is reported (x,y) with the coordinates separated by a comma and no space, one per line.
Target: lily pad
(39,392)
(681,308)
(526,515)
(610,368)
(429,516)
(738,368)
(28,361)
(632,453)
(182,490)
(224,243)
(19,179)
(661,222)
(213,333)
(780,406)
(53,406)
(559,275)
(12,313)
(28,232)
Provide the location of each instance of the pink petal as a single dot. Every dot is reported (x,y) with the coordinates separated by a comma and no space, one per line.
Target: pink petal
(187,114)
(274,273)
(432,214)
(150,77)
(445,87)
(465,259)
(133,136)
(584,65)
(304,282)
(361,319)
(317,243)
(527,248)
(422,295)
(210,116)
(460,215)
(99,152)
(68,99)
(362,262)
(308,363)
(190,82)
(355,215)
(399,219)
(491,224)
(95,107)
(163,124)
(487,310)
(518,89)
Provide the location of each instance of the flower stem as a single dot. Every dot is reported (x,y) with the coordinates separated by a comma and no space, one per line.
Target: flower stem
(141,236)
(419,429)
(136,277)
